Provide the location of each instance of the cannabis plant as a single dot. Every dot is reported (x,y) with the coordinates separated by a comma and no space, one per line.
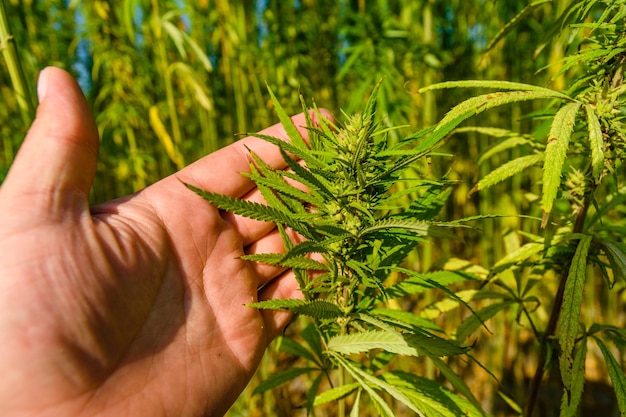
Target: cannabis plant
(581,157)
(358,226)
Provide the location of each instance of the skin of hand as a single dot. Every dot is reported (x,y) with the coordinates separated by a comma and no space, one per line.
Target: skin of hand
(135,307)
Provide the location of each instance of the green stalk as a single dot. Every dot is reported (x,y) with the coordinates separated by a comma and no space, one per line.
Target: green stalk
(18,79)
(166,72)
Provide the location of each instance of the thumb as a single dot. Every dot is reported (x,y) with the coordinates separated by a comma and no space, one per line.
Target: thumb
(56,163)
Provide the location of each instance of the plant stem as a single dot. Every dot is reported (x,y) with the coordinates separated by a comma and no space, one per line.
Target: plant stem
(9,50)
(535,383)
(166,72)
(341,403)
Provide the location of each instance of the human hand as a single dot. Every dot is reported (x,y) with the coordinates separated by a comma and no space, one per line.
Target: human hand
(134,307)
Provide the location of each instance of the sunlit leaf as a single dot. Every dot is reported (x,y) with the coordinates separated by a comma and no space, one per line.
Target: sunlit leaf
(596,143)
(250,209)
(479,104)
(556,151)
(473,322)
(570,402)
(335,393)
(497,85)
(374,382)
(513,141)
(366,341)
(285,120)
(456,381)
(520,255)
(405,318)
(507,170)
(570,311)
(164,137)
(431,398)
(617,376)
(301,262)
(318,309)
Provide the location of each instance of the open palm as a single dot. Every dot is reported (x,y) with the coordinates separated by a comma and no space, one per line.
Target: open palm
(137,306)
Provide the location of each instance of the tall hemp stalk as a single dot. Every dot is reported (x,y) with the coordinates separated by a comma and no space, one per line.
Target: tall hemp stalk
(8,46)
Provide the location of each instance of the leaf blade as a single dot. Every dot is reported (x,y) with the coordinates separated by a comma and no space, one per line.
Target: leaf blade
(617,376)
(507,170)
(555,154)
(596,142)
(570,310)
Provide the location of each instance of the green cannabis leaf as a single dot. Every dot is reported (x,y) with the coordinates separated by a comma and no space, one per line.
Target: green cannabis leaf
(359,225)
(570,313)
(556,151)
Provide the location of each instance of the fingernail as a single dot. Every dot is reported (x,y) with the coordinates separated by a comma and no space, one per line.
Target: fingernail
(42,84)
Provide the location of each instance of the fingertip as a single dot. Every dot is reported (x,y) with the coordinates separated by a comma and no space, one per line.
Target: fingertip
(61,147)
(42,83)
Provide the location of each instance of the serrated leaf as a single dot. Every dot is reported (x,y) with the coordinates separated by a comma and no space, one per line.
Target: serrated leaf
(312,392)
(506,29)
(285,120)
(479,104)
(586,55)
(570,310)
(356,405)
(442,306)
(405,318)
(507,170)
(303,154)
(513,141)
(494,84)
(415,226)
(571,399)
(430,397)
(278,259)
(250,209)
(291,347)
(417,282)
(517,256)
(335,393)
(310,246)
(555,154)
(420,150)
(433,346)
(274,179)
(416,343)
(456,381)
(369,340)
(311,336)
(318,309)
(617,376)
(316,184)
(616,254)
(596,143)
(280,378)
(369,381)
(473,322)
(428,206)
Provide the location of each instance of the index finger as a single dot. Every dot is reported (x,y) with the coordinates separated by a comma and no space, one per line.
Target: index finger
(220,172)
